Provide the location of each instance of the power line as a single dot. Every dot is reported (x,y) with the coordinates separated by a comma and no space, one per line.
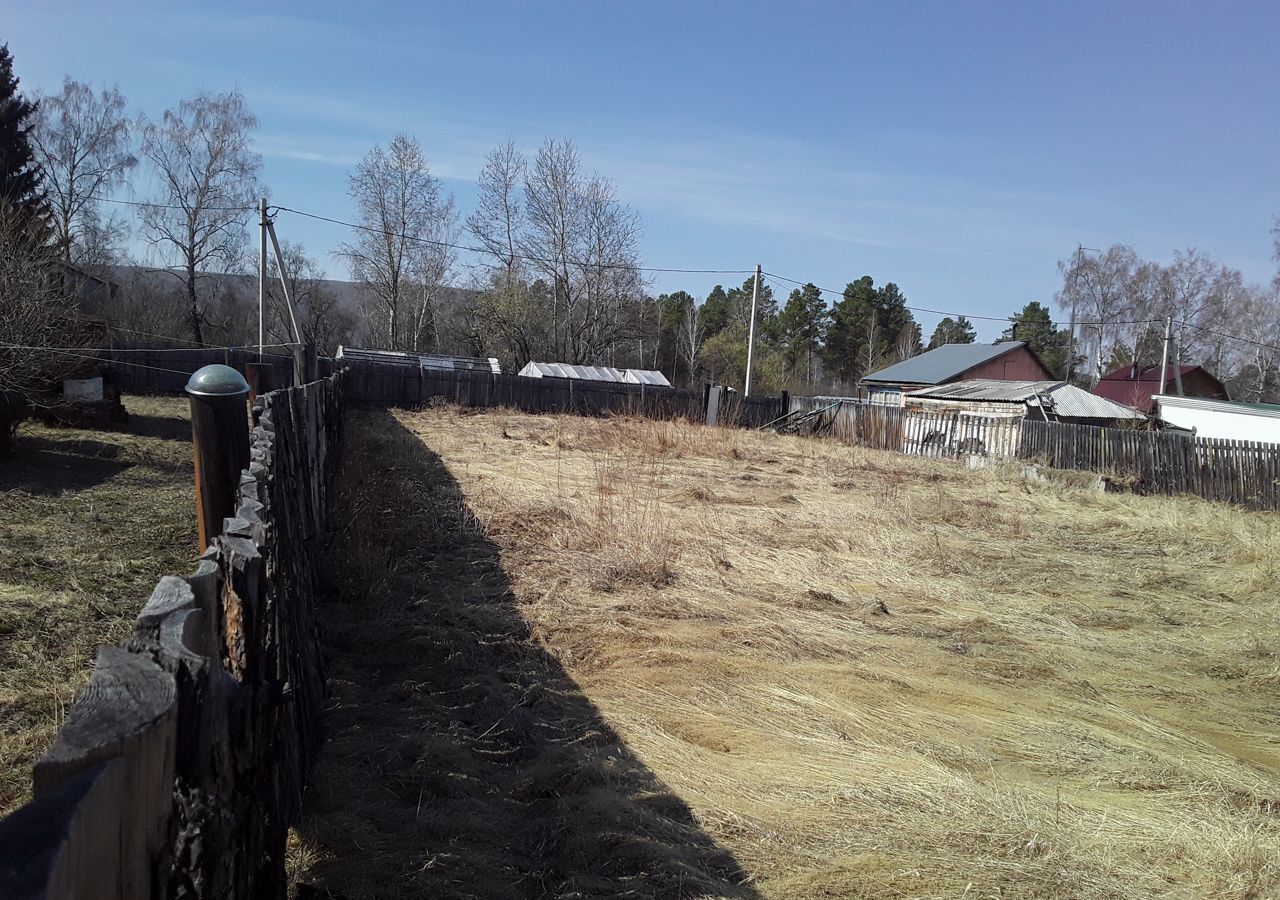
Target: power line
(1231,337)
(7,346)
(116,362)
(662,269)
(521,256)
(170,205)
(939,312)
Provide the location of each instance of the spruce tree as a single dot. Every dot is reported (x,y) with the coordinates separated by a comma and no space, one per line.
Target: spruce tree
(19,176)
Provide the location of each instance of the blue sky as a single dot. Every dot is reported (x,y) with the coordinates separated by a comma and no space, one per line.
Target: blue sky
(958,149)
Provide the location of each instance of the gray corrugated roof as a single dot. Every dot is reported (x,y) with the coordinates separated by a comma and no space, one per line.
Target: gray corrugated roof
(1068,400)
(566,370)
(647,376)
(424,360)
(594,373)
(1071,402)
(937,365)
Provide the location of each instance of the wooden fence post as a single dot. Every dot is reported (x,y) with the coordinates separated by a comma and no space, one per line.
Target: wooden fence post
(220,437)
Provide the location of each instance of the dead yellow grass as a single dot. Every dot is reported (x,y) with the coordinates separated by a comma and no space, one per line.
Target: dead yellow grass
(89,521)
(871,675)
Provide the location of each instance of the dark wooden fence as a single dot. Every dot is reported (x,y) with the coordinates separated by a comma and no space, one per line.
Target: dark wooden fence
(406,386)
(182,764)
(1246,473)
(163,371)
(139,370)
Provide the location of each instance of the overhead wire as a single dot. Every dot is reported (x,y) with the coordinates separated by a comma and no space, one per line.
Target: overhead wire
(659,269)
(9,346)
(1231,337)
(939,312)
(521,256)
(117,362)
(145,203)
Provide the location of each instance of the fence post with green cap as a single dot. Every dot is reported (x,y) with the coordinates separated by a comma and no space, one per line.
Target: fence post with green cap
(220,437)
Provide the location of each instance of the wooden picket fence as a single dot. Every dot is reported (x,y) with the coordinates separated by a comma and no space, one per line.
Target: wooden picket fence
(1246,473)
(936,435)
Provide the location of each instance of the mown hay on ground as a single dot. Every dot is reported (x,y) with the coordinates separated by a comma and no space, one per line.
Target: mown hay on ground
(865,674)
(89,521)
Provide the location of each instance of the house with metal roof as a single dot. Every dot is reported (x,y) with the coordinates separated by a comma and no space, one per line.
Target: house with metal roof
(1137,385)
(650,377)
(1002,361)
(1053,401)
(1207,417)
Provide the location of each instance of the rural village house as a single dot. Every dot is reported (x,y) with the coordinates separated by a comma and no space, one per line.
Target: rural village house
(1135,385)
(1002,361)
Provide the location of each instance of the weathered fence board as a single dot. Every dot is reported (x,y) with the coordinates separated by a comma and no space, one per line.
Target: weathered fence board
(182,764)
(1245,473)
(399,385)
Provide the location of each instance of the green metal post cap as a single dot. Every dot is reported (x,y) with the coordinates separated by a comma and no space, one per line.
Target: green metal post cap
(217,381)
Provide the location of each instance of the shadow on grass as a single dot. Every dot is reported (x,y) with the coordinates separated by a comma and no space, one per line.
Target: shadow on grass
(44,465)
(167,428)
(461,759)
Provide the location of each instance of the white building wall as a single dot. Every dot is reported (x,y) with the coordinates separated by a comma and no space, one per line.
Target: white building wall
(1217,419)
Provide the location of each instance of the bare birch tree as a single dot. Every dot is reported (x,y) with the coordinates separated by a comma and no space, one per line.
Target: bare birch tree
(206,185)
(691,334)
(1098,290)
(83,144)
(401,212)
(34,313)
(584,242)
(496,222)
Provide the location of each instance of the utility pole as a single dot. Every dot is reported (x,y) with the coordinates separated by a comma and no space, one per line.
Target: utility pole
(1164,355)
(301,375)
(1071,342)
(262,275)
(751,332)
(1177,365)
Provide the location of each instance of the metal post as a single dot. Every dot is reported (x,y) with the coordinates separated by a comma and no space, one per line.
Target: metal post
(751,333)
(262,275)
(220,437)
(1164,356)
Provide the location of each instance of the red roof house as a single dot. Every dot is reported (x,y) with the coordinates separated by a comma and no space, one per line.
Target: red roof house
(1135,385)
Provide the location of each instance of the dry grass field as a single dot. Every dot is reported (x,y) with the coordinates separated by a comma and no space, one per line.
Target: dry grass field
(89,521)
(578,657)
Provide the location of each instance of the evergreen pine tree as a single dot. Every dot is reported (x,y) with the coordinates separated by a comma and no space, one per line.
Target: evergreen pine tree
(19,176)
